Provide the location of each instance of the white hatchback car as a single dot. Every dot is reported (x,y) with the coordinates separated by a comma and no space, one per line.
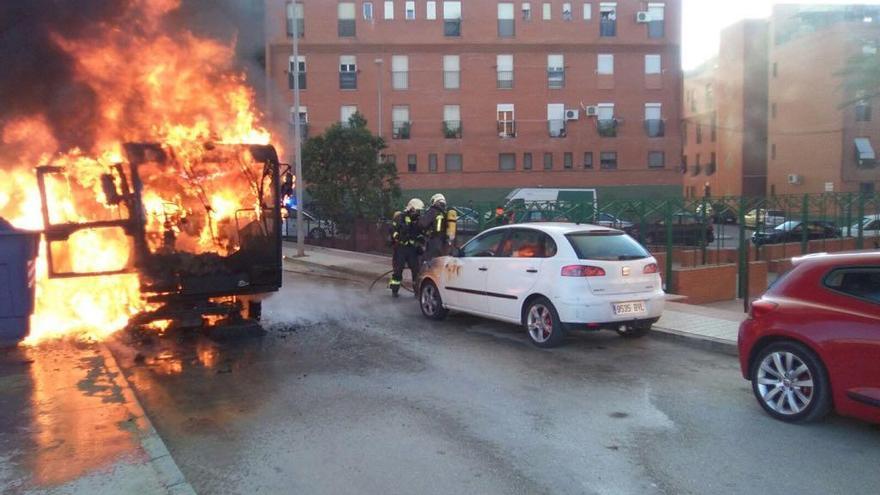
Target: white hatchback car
(550,278)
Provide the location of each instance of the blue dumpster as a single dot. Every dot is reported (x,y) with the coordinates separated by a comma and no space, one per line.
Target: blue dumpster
(18,254)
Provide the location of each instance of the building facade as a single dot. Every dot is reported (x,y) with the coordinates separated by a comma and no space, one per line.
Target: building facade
(477,97)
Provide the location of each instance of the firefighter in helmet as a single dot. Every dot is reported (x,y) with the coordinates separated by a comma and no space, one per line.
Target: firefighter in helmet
(407,240)
(439,227)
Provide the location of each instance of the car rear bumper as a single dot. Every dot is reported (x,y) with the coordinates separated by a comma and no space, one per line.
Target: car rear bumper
(600,309)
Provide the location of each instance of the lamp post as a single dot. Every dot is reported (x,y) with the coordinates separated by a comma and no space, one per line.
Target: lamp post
(297,140)
(379,63)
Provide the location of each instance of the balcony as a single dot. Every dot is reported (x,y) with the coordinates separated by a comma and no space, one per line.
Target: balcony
(505,79)
(607,27)
(452,129)
(556,128)
(655,128)
(607,127)
(555,78)
(452,27)
(401,129)
(348,80)
(400,79)
(451,79)
(506,129)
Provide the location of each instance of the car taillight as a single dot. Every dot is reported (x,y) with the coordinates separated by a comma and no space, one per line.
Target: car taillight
(761,308)
(582,271)
(651,268)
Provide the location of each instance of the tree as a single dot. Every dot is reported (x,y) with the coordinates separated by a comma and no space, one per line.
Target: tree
(345,176)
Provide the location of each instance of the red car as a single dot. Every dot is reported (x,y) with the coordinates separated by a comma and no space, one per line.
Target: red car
(812,341)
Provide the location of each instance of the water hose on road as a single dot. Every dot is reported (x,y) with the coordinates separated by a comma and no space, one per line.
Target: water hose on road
(380,277)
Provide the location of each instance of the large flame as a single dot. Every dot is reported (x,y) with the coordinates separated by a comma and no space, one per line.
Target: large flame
(177,89)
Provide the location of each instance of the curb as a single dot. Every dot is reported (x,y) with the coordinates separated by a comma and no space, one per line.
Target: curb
(160,458)
(368,276)
(696,341)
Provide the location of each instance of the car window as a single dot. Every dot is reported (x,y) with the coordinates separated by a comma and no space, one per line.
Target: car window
(863,283)
(875,225)
(775,213)
(789,226)
(608,246)
(485,245)
(526,243)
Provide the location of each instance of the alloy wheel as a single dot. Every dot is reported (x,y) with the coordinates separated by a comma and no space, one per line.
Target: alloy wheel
(429,300)
(785,383)
(540,323)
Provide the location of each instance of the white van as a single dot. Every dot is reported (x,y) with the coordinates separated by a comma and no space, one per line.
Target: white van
(539,202)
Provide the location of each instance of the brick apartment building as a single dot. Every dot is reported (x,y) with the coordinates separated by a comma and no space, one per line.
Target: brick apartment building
(475,98)
(774,108)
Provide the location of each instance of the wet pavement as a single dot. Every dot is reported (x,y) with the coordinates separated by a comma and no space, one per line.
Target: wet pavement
(353,392)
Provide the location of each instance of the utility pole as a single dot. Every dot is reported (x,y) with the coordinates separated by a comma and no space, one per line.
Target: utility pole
(379,62)
(297,140)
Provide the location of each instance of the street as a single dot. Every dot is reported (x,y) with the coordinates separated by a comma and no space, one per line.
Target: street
(352,391)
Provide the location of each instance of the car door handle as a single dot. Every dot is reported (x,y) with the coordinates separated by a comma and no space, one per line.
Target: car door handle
(483,269)
(532,270)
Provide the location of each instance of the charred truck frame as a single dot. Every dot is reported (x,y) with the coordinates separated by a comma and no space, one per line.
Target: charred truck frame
(196,264)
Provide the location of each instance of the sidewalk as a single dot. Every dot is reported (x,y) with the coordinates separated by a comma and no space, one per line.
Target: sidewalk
(71,424)
(702,326)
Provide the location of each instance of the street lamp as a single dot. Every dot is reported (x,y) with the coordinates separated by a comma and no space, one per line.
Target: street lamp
(297,140)
(379,63)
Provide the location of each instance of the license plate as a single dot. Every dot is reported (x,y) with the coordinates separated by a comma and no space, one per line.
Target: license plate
(630,308)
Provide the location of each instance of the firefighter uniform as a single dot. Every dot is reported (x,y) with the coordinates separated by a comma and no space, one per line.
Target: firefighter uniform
(433,222)
(408,243)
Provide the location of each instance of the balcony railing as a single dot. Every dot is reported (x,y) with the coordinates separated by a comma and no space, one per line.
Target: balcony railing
(607,27)
(555,78)
(348,80)
(505,79)
(556,128)
(401,129)
(452,129)
(607,127)
(506,28)
(346,28)
(506,128)
(655,128)
(452,27)
(400,79)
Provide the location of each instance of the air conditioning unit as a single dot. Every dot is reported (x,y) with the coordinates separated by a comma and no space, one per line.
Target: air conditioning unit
(795,179)
(643,17)
(571,114)
(592,111)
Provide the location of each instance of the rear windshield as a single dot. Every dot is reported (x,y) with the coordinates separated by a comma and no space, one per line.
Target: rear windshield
(607,246)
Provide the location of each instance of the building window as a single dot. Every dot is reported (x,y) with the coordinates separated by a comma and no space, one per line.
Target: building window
(451,72)
(432,162)
(452,122)
(345,20)
(656,25)
(506,120)
(526,11)
(867,188)
(431,11)
(548,161)
(605,64)
(653,64)
(295,20)
(400,72)
(389,10)
(556,120)
(390,160)
(345,114)
(654,120)
(588,11)
(588,160)
(656,159)
(773,110)
(348,72)
(699,133)
(711,168)
(453,162)
(606,122)
(546,11)
(555,71)
(773,151)
(452,18)
(412,163)
(401,126)
(410,11)
(608,160)
(504,67)
(527,161)
(506,26)
(368,11)
(863,111)
(507,161)
(303,116)
(607,19)
(713,128)
(566,11)
(302,73)
(568,160)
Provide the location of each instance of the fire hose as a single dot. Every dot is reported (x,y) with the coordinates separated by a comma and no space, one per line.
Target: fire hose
(380,277)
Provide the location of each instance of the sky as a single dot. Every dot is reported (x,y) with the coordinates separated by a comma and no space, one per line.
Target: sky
(704,20)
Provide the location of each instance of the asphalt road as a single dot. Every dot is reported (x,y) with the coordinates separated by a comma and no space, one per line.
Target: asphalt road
(353,392)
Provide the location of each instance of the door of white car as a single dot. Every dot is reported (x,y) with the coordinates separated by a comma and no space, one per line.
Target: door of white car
(516,271)
(467,273)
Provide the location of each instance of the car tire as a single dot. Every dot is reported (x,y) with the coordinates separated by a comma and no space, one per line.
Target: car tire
(780,373)
(635,331)
(542,325)
(430,301)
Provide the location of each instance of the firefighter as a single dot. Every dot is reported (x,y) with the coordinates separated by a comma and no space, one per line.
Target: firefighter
(407,240)
(434,226)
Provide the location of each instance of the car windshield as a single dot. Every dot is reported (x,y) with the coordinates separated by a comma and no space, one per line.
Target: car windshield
(786,226)
(606,246)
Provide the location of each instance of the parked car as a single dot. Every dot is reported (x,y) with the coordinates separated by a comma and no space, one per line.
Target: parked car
(723,213)
(316,228)
(687,229)
(550,278)
(870,227)
(812,342)
(765,218)
(793,231)
(611,221)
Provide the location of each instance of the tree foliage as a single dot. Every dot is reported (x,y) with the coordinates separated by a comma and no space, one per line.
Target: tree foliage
(344,174)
